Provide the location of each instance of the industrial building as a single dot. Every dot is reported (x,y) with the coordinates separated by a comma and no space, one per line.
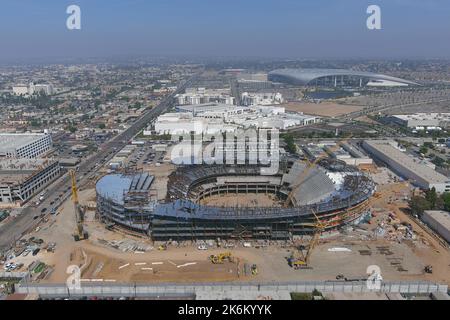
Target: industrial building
(422,121)
(261,98)
(24,145)
(215,118)
(336,78)
(333,191)
(406,166)
(20,179)
(439,221)
(193,96)
(22,89)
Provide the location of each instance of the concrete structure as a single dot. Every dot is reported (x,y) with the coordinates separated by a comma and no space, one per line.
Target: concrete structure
(20,179)
(125,200)
(222,290)
(333,191)
(439,221)
(215,118)
(212,110)
(22,89)
(24,145)
(335,78)
(193,96)
(422,121)
(261,98)
(41,88)
(407,166)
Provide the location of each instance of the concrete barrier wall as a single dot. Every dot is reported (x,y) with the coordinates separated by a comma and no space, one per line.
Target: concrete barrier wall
(136,290)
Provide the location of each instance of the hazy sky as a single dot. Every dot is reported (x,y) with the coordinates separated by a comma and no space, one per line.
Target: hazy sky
(264,28)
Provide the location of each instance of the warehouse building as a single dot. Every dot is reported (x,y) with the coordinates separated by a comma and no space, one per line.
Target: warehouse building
(439,221)
(407,166)
(422,121)
(24,145)
(20,179)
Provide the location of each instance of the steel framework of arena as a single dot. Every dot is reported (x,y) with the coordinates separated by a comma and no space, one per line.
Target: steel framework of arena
(333,191)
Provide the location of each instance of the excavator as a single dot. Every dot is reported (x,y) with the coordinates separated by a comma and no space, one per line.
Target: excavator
(80,233)
(220,258)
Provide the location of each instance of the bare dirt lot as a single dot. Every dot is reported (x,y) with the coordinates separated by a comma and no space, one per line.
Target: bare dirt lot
(324,109)
(242,200)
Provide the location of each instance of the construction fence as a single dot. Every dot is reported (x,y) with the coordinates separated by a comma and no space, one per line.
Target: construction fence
(185,290)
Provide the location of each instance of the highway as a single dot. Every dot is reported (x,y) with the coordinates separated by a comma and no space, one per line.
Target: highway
(58,191)
(376,109)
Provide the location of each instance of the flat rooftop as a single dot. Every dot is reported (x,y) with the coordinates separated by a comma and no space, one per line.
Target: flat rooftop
(10,141)
(442,217)
(14,171)
(424,116)
(402,159)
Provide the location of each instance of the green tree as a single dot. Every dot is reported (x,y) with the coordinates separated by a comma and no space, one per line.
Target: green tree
(290,144)
(418,205)
(423,150)
(446,199)
(431,196)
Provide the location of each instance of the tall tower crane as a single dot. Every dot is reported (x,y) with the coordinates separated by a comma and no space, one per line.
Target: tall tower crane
(80,233)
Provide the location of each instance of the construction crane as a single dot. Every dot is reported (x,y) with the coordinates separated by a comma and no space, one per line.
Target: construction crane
(80,233)
(309,166)
(298,260)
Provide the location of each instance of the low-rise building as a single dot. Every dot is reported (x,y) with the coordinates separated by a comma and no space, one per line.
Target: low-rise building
(261,98)
(439,221)
(24,145)
(20,179)
(215,118)
(422,121)
(407,166)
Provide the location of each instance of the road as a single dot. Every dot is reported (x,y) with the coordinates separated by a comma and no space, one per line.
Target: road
(59,190)
(370,110)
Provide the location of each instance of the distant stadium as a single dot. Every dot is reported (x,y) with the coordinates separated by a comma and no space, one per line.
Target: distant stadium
(290,201)
(336,78)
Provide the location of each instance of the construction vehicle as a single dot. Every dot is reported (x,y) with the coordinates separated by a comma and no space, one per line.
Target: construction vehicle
(298,260)
(162,247)
(221,257)
(254,270)
(80,233)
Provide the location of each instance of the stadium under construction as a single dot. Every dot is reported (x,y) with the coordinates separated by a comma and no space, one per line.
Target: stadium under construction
(330,193)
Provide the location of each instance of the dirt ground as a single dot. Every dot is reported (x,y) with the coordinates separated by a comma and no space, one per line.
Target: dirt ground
(241,200)
(324,109)
(154,268)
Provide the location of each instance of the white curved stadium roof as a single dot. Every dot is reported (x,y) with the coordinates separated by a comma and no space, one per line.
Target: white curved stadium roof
(305,76)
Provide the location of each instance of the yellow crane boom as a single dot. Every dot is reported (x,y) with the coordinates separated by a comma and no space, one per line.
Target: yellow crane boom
(310,165)
(80,233)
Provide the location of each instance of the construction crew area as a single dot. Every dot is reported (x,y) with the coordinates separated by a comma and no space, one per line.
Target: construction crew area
(299,238)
